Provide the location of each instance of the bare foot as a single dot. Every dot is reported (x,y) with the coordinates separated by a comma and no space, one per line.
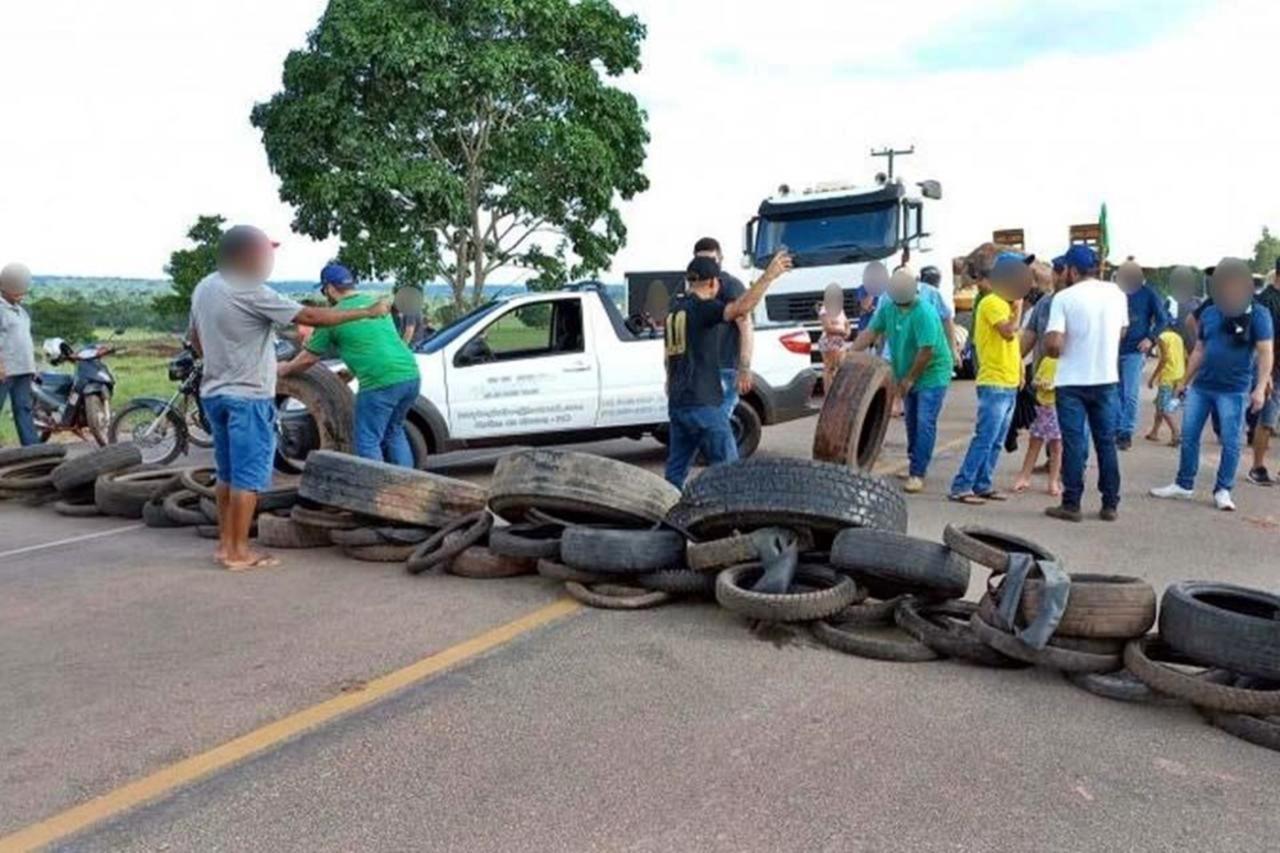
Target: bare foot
(1153,436)
(250,560)
(1021,484)
(1055,489)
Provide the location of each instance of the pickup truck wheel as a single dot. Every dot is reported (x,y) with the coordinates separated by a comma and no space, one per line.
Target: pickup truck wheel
(747,429)
(417,446)
(855,413)
(385,491)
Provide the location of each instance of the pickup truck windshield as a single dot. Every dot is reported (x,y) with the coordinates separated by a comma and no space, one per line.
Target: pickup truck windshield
(442,338)
(842,235)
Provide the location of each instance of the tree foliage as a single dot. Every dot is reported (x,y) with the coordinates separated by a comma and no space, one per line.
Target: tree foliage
(188,266)
(60,318)
(454,137)
(1265,252)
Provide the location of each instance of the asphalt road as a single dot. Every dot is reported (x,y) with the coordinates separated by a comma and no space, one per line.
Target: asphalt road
(672,729)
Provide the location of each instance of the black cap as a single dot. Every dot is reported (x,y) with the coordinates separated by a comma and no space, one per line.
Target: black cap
(702,269)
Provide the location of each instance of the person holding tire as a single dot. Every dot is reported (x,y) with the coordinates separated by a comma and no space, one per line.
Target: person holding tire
(380,360)
(233,316)
(17,352)
(695,393)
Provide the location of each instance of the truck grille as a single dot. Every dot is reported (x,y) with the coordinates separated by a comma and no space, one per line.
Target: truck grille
(803,307)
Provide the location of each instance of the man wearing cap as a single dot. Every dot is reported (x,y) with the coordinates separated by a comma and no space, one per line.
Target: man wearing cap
(17,351)
(1147,319)
(695,393)
(737,338)
(1086,323)
(381,362)
(1269,416)
(1230,372)
(233,316)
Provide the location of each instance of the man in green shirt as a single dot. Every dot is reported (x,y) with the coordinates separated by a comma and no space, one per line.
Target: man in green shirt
(381,362)
(922,366)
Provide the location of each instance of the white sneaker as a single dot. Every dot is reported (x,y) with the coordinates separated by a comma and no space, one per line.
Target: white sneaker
(1222,500)
(1173,490)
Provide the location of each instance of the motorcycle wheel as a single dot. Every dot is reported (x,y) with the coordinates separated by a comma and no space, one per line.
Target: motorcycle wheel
(197,430)
(97,417)
(159,445)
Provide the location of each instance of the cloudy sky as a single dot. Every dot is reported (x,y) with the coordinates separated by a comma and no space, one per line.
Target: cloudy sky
(122,121)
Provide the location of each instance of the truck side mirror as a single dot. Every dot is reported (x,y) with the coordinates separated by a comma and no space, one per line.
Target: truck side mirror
(931,189)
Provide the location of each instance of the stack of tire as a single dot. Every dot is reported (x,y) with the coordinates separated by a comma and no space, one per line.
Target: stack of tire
(26,473)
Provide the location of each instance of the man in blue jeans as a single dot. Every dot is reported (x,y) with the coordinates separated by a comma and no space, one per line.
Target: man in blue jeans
(1086,323)
(736,338)
(1147,319)
(376,354)
(1229,373)
(233,315)
(695,394)
(17,352)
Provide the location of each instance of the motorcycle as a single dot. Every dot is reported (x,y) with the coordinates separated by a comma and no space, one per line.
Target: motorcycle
(162,429)
(79,401)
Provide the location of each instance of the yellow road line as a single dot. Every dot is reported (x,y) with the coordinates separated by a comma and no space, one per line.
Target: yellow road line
(188,770)
(905,465)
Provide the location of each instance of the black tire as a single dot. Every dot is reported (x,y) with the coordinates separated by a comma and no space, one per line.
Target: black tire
(385,553)
(154,515)
(481,563)
(183,509)
(388,492)
(450,541)
(1052,657)
(1120,686)
(418,446)
(865,611)
(890,564)
(991,548)
(536,541)
(945,628)
(879,642)
(97,417)
(277,531)
(200,480)
(855,413)
(10,455)
(159,444)
(613,597)
(621,552)
(782,492)
(826,593)
(747,429)
(578,487)
(679,582)
(737,549)
(80,471)
(1259,731)
(1149,659)
(124,493)
(76,510)
(210,531)
(367,537)
(1223,625)
(1099,606)
(326,518)
(331,407)
(29,476)
(555,571)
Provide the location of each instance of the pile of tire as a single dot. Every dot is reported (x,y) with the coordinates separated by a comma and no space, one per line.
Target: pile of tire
(26,473)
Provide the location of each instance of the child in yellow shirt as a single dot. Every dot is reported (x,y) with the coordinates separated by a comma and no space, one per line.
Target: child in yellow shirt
(1168,376)
(1044,431)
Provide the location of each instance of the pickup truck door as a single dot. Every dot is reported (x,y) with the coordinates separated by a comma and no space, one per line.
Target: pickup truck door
(530,369)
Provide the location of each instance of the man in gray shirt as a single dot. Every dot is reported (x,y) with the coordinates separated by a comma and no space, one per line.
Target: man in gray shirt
(17,351)
(233,315)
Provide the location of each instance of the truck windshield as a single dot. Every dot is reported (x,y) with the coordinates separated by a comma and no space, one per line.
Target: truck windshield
(840,235)
(449,333)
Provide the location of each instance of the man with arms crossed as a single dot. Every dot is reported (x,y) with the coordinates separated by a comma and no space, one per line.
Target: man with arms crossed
(233,314)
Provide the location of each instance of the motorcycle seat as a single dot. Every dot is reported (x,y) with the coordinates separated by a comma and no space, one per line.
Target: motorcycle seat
(56,383)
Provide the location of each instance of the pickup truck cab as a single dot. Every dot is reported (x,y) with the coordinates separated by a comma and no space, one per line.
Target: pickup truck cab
(565,367)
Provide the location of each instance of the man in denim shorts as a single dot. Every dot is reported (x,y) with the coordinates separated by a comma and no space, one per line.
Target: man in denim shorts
(233,315)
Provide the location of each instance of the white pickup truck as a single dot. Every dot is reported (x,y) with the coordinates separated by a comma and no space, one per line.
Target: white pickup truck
(565,367)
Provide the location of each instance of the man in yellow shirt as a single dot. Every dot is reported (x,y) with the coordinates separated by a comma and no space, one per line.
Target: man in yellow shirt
(1167,379)
(996,325)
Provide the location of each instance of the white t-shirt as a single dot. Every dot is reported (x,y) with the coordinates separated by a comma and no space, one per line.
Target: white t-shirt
(1092,316)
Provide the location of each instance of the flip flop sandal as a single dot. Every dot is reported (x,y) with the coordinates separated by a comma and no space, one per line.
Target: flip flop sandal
(967,500)
(998,497)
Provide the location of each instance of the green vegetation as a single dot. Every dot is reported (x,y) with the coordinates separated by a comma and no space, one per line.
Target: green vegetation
(457,137)
(188,266)
(1265,252)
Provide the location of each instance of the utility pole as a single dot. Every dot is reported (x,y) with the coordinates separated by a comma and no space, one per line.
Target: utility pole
(891,153)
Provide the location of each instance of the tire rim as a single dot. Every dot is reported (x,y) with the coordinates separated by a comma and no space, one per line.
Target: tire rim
(155,443)
(297,433)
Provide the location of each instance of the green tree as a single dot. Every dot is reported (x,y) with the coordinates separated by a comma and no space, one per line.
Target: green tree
(66,318)
(1265,252)
(454,137)
(187,266)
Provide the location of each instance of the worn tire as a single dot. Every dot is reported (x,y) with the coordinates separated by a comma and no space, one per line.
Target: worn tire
(536,541)
(578,487)
(556,571)
(890,564)
(879,642)
(367,537)
(10,455)
(679,582)
(613,597)
(1052,657)
(1257,730)
(183,508)
(389,492)
(385,553)
(200,480)
(124,493)
(154,515)
(450,541)
(734,550)
(331,405)
(1120,686)
(871,612)
(72,509)
(990,548)
(783,492)
(1098,606)
(281,531)
(1149,657)
(855,413)
(1223,625)
(28,476)
(481,563)
(829,593)
(621,552)
(84,469)
(945,628)
(325,517)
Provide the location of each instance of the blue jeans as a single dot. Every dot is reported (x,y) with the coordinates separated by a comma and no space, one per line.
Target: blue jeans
(1230,408)
(995,413)
(380,415)
(729,382)
(1085,409)
(697,428)
(920,410)
(18,390)
(244,440)
(1130,392)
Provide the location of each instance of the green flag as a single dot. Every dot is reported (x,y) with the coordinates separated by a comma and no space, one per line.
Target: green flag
(1105,235)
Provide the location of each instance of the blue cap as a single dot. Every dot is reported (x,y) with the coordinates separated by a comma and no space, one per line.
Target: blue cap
(1080,257)
(1060,263)
(338,276)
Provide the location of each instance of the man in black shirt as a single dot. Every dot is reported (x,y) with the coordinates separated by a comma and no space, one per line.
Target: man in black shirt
(695,395)
(736,338)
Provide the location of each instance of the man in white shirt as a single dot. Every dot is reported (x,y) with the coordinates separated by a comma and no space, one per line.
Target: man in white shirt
(1087,319)
(17,351)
